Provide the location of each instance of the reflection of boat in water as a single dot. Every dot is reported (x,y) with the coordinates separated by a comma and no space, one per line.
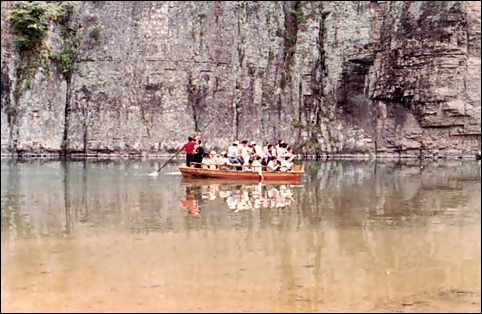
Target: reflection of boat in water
(241,196)
(257,196)
(239,175)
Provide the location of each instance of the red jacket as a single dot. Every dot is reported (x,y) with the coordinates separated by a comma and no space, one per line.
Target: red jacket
(189,147)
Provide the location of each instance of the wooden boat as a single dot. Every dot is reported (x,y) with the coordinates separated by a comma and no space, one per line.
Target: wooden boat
(243,176)
(186,181)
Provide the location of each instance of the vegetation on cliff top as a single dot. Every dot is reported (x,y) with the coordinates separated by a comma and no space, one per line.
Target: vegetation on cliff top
(30,22)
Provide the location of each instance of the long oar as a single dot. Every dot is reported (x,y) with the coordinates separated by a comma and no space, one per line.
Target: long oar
(158,170)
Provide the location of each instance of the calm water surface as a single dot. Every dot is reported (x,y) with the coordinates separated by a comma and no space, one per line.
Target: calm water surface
(353,236)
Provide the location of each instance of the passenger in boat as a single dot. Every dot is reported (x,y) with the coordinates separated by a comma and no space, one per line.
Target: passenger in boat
(286,164)
(252,151)
(240,150)
(257,150)
(234,156)
(250,148)
(268,155)
(223,162)
(244,160)
(206,161)
(197,136)
(199,154)
(247,164)
(233,152)
(281,151)
(265,148)
(214,162)
(189,147)
(279,144)
(289,152)
(274,153)
(273,165)
(257,167)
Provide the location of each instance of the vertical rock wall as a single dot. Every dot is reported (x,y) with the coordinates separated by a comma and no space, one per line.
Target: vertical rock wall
(339,77)
(406,76)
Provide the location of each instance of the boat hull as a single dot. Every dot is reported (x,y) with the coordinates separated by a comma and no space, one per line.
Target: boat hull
(291,176)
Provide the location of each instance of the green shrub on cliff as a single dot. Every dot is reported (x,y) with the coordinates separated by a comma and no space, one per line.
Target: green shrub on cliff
(30,21)
(12,110)
(94,33)
(65,62)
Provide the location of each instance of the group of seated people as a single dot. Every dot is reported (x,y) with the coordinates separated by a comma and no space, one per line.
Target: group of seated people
(246,157)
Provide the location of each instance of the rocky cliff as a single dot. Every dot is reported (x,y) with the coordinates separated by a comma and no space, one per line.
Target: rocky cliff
(372,78)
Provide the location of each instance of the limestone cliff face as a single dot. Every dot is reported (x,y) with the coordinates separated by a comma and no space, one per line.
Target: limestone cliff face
(374,78)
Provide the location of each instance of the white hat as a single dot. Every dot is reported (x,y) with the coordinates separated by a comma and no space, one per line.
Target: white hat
(253,143)
(213,152)
(236,142)
(223,152)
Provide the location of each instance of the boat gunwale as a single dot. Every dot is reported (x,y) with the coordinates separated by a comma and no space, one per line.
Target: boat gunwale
(201,173)
(192,181)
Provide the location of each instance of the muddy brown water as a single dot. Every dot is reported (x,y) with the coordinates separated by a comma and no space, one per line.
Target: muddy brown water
(352,237)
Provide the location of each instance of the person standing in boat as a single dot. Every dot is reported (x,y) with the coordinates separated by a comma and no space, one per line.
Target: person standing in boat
(244,160)
(199,154)
(281,151)
(233,152)
(189,147)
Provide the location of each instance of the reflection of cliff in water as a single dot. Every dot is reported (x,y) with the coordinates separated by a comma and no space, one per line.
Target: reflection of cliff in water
(46,198)
(391,193)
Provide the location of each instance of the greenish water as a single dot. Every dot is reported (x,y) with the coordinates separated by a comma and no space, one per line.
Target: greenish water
(352,236)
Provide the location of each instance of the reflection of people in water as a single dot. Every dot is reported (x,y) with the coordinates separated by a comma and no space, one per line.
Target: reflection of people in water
(209,192)
(250,197)
(256,196)
(243,202)
(277,197)
(232,198)
(190,203)
(239,197)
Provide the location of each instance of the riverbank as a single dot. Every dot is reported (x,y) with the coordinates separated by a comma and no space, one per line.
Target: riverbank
(334,156)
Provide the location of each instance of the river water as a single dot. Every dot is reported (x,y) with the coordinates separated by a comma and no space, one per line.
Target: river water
(351,237)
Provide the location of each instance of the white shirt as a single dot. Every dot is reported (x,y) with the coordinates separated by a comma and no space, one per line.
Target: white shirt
(232,151)
(214,162)
(280,151)
(285,165)
(205,162)
(258,150)
(272,166)
(257,167)
(244,152)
